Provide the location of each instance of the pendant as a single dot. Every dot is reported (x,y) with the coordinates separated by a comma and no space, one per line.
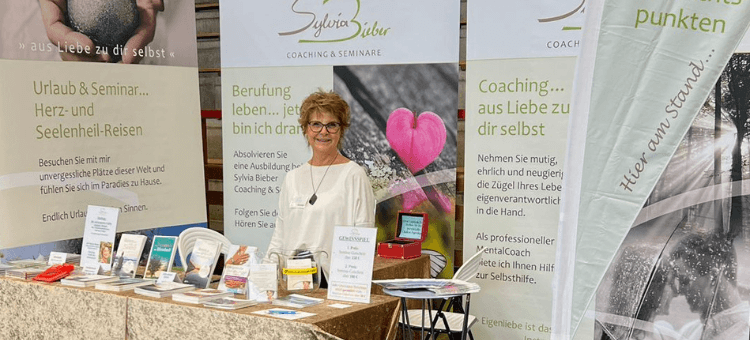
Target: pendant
(313,198)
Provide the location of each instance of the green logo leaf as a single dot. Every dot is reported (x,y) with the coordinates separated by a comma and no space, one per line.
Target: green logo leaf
(324,1)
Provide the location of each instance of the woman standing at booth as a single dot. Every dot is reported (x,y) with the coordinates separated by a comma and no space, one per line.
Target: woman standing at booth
(328,190)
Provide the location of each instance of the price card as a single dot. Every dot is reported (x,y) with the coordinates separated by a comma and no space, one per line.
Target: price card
(167,277)
(92,269)
(353,253)
(57,258)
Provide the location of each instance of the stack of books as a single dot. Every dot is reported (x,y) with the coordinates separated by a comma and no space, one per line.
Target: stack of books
(229,303)
(121,285)
(164,289)
(4,267)
(201,295)
(297,301)
(86,280)
(25,269)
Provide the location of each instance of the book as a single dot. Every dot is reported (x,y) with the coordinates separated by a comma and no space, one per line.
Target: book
(128,255)
(229,303)
(201,262)
(121,285)
(237,269)
(201,295)
(86,280)
(161,256)
(297,301)
(164,289)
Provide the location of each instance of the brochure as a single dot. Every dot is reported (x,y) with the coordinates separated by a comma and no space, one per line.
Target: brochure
(286,314)
(263,282)
(299,279)
(99,236)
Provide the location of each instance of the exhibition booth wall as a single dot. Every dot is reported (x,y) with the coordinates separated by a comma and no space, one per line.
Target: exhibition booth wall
(560,160)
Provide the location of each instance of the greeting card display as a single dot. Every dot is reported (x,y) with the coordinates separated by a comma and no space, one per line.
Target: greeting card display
(411,231)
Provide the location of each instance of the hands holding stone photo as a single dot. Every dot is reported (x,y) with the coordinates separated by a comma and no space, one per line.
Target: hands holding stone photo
(101,31)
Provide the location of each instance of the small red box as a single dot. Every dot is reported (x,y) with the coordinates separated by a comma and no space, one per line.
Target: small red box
(411,231)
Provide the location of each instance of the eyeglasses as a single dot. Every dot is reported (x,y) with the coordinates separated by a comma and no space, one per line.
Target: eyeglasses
(331,127)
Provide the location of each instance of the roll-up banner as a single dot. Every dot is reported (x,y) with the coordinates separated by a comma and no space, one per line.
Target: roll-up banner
(380,56)
(99,106)
(519,82)
(651,159)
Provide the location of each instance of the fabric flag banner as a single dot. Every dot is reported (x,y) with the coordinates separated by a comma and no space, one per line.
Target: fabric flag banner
(645,70)
(385,62)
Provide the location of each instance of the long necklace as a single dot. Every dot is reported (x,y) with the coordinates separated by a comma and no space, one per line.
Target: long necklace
(314,196)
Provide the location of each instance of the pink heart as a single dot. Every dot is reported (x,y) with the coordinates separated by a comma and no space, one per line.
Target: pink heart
(417,141)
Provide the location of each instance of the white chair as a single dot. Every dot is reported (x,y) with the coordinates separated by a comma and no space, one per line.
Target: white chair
(187,239)
(452,319)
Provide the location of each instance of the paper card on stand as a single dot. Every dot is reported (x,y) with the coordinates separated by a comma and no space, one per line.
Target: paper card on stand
(351,264)
(56,258)
(99,236)
(168,277)
(92,269)
(339,305)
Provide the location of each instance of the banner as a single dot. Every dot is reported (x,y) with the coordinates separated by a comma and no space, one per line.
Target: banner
(380,58)
(644,72)
(82,132)
(518,89)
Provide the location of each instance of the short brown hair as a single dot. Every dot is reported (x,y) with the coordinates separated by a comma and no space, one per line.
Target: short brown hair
(330,102)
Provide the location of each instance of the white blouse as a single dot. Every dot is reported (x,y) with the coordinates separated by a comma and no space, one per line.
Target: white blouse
(344,198)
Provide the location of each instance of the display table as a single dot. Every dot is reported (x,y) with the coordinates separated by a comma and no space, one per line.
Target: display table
(31,310)
(48,311)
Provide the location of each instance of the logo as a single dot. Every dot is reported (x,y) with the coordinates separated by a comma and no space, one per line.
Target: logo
(328,21)
(566,15)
